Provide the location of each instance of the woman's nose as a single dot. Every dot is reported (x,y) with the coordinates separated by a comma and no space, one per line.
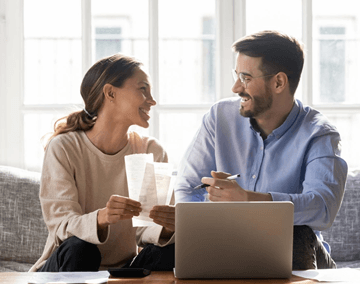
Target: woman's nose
(151,100)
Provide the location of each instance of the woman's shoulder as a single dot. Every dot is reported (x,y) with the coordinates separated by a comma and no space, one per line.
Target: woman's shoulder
(69,140)
(147,144)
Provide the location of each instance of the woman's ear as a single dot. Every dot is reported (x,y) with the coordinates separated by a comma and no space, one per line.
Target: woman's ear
(108,91)
(281,82)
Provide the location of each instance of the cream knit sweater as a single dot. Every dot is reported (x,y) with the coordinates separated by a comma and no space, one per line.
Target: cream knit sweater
(77,180)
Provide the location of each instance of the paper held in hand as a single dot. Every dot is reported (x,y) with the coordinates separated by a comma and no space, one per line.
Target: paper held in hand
(150,183)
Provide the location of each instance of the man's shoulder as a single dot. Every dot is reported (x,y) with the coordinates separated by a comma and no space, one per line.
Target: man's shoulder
(315,122)
(229,102)
(226,107)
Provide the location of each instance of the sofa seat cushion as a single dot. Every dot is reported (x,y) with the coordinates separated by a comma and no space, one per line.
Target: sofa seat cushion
(344,235)
(13,266)
(349,264)
(22,229)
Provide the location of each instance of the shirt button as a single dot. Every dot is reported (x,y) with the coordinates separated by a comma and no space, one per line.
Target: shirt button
(261,148)
(254,176)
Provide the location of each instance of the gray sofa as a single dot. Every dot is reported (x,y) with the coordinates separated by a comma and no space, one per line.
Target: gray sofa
(23,232)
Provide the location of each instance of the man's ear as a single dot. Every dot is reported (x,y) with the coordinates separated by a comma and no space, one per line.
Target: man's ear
(108,91)
(282,82)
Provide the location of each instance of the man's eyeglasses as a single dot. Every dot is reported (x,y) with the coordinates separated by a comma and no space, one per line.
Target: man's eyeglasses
(245,79)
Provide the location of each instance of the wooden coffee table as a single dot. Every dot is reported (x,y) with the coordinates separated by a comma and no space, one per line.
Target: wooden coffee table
(157,277)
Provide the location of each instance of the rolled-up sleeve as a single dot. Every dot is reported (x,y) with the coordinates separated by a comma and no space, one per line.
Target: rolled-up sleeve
(324,173)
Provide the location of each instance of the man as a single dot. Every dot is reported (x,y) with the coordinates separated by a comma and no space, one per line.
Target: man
(283,150)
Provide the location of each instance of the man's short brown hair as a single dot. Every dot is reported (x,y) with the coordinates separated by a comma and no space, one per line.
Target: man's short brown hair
(279,53)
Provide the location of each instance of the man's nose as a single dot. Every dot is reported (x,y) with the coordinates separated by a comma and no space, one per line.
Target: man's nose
(238,87)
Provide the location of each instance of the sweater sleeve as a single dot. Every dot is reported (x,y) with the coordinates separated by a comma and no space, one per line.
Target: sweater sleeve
(63,215)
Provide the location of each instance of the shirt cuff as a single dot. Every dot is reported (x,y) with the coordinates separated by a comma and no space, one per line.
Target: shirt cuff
(152,236)
(97,241)
(277,196)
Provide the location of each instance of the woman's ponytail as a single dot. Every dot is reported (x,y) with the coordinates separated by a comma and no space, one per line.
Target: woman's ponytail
(78,120)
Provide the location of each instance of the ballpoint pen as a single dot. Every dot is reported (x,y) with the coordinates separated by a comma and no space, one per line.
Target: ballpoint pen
(206,185)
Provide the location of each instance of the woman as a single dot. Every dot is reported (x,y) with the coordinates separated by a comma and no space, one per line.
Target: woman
(83,190)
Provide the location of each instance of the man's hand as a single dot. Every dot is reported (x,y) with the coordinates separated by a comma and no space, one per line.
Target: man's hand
(221,189)
(164,215)
(118,208)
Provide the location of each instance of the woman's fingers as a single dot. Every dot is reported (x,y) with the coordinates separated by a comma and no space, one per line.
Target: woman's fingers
(164,215)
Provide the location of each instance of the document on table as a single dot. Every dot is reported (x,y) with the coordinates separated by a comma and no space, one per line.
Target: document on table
(70,277)
(150,183)
(341,275)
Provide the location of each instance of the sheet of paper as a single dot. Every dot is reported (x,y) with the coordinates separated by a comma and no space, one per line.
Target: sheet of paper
(148,193)
(135,170)
(164,182)
(341,275)
(148,182)
(70,277)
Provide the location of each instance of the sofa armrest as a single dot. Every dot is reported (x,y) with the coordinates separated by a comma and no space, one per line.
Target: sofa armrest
(22,230)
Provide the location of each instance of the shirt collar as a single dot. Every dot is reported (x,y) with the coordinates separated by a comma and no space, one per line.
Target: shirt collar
(280,131)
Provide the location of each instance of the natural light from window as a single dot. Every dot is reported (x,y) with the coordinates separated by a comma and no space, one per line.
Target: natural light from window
(185,64)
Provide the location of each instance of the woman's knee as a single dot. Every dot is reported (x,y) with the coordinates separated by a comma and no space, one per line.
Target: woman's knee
(79,255)
(76,246)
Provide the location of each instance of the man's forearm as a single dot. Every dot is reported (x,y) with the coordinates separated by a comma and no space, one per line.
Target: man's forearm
(258,196)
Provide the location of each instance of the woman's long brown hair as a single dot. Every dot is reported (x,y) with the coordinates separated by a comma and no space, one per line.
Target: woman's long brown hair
(113,70)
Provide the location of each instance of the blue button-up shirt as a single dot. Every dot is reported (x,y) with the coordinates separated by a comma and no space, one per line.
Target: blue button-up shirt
(298,162)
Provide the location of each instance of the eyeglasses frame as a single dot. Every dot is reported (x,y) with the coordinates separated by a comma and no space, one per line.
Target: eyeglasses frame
(241,77)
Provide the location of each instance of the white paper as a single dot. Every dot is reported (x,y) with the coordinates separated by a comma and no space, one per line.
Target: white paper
(135,170)
(149,183)
(148,193)
(70,277)
(341,275)
(164,182)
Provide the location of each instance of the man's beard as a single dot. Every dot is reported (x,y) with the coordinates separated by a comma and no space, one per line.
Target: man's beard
(260,104)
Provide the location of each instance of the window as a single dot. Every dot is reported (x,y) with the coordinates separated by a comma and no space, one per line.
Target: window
(52,70)
(185,63)
(332,65)
(336,69)
(185,47)
(107,41)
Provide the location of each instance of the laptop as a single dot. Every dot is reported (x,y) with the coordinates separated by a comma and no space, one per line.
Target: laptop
(233,240)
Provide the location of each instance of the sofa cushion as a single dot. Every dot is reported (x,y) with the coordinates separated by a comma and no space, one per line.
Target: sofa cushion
(348,264)
(22,229)
(344,235)
(13,266)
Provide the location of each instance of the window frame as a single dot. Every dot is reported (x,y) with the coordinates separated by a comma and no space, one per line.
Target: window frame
(12,108)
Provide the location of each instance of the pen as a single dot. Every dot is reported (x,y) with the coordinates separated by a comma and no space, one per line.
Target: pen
(206,185)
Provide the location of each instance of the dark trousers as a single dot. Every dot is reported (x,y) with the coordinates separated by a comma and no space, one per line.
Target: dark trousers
(308,251)
(77,255)
(73,254)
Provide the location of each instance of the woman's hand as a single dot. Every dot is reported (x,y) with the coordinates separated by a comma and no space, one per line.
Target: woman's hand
(118,208)
(164,215)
